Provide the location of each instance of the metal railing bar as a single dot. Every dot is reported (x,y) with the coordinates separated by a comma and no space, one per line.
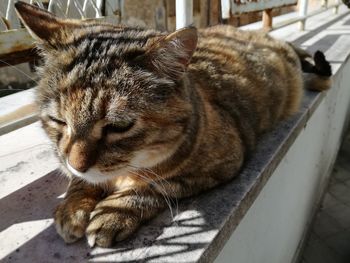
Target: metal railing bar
(184,13)
(303,13)
(9,9)
(303,18)
(50,7)
(98,13)
(68,6)
(225,9)
(79,9)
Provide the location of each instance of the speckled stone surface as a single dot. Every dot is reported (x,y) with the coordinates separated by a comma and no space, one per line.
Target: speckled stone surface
(200,227)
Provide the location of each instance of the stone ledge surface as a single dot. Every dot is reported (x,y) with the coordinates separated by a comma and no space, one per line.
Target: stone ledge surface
(30,187)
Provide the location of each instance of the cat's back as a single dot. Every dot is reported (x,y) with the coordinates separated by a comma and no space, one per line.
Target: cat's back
(231,50)
(247,74)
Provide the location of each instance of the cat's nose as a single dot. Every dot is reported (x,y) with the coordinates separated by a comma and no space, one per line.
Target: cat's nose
(81,157)
(79,166)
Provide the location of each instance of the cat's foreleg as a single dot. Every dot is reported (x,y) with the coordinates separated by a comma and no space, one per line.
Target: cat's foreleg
(118,216)
(73,214)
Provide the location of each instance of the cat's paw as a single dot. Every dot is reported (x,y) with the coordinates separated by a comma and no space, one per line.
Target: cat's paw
(109,225)
(71,220)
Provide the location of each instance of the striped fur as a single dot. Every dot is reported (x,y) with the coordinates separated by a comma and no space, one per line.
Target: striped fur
(140,117)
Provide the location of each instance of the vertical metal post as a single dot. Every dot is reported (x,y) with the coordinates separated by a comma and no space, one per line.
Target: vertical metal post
(302,13)
(184,13)
(324,3)
(68,7)
(225,9)
(9,9)
(99,5)
(10,16)
(50,7)
(336,8)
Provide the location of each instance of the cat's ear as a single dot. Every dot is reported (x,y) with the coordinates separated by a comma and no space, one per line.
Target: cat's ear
(42,25)
(170,55)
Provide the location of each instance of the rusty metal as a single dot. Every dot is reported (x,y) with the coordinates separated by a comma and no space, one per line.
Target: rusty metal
(18,57)
(16,46)
(246,6)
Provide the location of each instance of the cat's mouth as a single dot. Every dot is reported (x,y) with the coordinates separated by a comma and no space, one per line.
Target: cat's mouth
(94,175)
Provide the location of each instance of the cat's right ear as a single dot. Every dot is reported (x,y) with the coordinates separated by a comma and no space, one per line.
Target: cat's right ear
(42,25)
(170,55)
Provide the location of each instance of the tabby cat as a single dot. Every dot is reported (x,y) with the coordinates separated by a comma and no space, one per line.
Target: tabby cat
(139,117)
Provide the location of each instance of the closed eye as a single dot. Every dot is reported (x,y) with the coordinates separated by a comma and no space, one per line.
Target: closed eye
(118,127)
(60,122)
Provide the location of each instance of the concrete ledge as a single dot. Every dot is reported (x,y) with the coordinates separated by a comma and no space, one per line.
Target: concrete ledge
(30,188)
(277,222)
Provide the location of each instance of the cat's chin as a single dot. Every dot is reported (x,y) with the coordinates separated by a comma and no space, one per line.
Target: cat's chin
(93,175)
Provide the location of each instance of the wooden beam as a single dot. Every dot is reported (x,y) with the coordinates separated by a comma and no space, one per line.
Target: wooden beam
(267,19)
(214,12)
(203,10)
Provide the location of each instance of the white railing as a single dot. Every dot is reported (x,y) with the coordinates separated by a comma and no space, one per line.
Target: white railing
(184,13)
(237,7)
(63,8)
(16,45)
(115,8)
(246,6)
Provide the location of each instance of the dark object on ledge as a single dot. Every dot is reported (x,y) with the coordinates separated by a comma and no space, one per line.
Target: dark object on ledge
(347,3)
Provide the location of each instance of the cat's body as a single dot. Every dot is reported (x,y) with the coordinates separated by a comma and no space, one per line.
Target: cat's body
(138,114)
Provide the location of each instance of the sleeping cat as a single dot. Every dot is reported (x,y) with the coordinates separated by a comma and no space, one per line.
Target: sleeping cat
(139,117)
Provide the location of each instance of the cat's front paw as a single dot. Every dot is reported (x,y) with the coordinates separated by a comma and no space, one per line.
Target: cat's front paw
(71,220)
(109,225)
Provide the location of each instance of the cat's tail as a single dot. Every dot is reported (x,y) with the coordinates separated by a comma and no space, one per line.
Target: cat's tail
(317,71)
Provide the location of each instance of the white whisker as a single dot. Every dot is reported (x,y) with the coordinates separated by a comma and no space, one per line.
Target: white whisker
(169,187)
(161,190)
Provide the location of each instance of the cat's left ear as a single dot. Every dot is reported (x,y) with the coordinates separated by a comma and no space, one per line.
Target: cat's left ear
(171,55)
(42,25)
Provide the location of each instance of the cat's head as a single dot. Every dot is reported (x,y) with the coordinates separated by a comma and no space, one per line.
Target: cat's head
(111,98)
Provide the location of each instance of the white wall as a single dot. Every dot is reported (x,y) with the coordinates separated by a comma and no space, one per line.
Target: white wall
(274,226)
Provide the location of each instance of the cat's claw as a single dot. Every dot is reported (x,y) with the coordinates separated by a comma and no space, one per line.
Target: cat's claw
(91,238)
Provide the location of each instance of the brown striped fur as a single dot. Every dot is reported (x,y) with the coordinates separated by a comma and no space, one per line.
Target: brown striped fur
(139,117)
